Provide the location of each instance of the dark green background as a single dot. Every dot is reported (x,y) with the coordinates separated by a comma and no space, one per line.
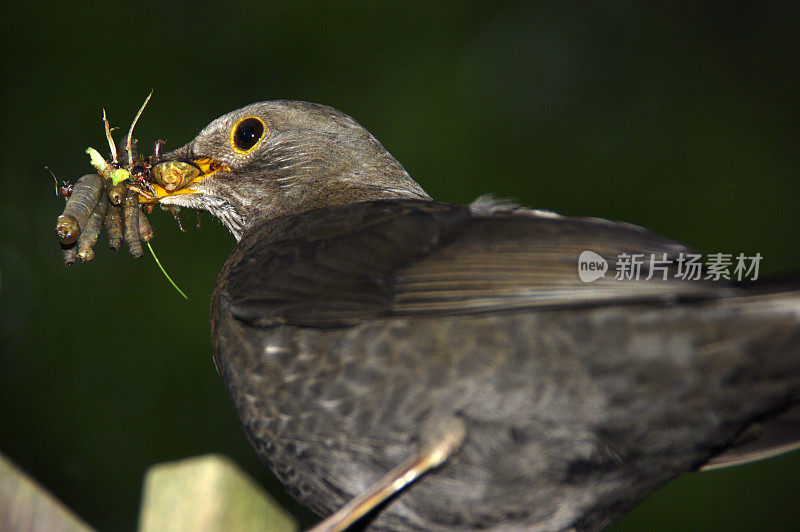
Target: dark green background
(685,121)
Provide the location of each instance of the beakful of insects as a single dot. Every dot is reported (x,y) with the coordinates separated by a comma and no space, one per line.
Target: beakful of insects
(113,197)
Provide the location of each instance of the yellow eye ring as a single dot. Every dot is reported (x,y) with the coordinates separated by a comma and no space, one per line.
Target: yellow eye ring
(247,133)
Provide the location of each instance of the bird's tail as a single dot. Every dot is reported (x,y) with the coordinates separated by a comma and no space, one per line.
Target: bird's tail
(777,434)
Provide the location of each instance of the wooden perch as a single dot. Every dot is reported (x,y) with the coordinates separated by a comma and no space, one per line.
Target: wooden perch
(208,494)
(26,505)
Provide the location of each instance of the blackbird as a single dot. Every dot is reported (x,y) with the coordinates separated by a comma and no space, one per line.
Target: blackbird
(420,365)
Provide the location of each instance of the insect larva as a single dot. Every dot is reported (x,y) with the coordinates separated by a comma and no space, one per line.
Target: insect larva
(70,253)
(145,230)
(114,226)
(89,235)
(67,229)
(116,193)
(130,219)
(80,204)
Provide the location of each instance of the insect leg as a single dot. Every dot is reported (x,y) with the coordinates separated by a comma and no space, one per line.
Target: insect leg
(158,149)
(129,140)
(177,217)
(110,139)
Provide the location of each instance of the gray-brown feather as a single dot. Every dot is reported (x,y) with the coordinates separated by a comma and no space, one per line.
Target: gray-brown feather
(346,263)
(575,412)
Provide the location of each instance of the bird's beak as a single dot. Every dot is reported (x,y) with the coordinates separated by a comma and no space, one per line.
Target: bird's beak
(176,177)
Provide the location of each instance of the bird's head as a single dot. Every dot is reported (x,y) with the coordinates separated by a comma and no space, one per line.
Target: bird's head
(278,158)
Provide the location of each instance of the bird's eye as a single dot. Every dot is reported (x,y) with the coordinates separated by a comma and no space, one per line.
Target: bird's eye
(246,134)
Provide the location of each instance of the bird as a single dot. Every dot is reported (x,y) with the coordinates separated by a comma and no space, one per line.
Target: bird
(409,364)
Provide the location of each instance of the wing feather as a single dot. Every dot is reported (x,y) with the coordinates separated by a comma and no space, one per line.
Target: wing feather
(336,266)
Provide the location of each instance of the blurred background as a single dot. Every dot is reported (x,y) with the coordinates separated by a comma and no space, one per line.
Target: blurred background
(683,120)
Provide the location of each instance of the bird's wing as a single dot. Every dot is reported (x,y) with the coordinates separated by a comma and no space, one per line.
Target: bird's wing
(337,266)
(764,439)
